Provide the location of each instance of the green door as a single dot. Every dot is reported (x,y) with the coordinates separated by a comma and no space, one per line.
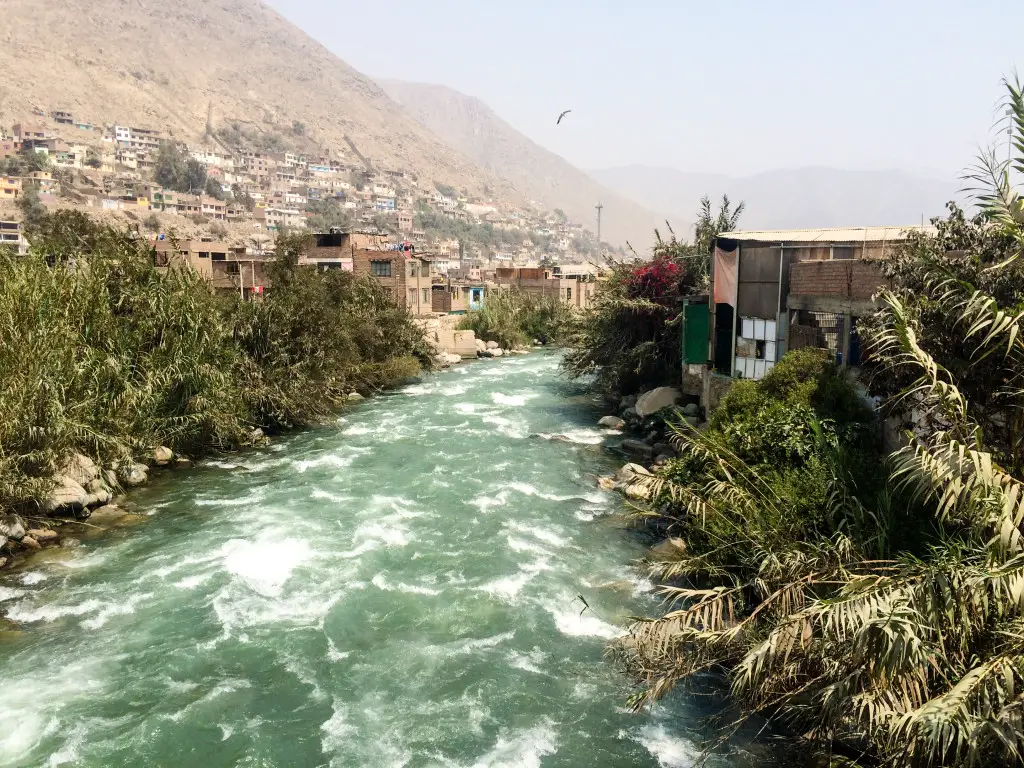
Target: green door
(695,334)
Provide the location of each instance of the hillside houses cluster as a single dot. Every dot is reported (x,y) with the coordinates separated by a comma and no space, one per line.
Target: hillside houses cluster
(112,168)
(256,195)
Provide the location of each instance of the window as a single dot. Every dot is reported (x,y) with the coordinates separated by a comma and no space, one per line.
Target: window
(412,296)
(412,269)
(426,295)
(233,268)
(204,254)
(380,268)
(426,270)
(568,294)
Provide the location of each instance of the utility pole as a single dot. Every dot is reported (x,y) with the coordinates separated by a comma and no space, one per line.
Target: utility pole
(599,209)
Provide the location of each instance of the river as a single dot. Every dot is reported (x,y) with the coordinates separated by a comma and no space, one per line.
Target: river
(399,589)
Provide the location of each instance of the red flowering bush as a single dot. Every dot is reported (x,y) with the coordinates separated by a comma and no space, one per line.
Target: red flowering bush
(657,281)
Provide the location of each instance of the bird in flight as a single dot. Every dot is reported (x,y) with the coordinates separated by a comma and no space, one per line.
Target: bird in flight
(562,115)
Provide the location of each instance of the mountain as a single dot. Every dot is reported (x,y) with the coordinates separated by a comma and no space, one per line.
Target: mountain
(470,127)
(170,65)
(790,198)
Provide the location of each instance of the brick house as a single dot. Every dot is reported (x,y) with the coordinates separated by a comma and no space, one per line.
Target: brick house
(406,276)
(226,268)
(776,290)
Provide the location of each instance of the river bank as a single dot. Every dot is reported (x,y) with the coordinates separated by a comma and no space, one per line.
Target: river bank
(399,588)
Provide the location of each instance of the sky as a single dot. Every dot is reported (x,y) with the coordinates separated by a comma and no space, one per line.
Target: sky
(735,88)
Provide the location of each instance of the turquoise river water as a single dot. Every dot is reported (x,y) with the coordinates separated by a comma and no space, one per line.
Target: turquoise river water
(396,590)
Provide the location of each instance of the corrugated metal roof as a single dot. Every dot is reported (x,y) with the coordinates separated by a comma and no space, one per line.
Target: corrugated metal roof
(837,235)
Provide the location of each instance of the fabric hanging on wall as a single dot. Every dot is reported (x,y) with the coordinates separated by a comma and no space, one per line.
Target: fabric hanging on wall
(725,276)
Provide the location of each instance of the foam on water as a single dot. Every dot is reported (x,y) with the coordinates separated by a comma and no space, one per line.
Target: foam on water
(521,748)
(670,751)
(266,563)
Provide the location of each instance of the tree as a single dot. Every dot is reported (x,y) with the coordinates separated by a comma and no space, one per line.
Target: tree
(214,189)
(242,197)
(327,214)
(32,209)
(174,169)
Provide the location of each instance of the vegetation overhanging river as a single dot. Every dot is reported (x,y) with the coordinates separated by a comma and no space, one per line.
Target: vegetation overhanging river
(398,589)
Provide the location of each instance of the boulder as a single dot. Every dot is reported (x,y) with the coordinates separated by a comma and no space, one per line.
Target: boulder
(67,496)
(629,472)
(43,535)
(12,527)
(486,353)
(661,458)
(649,403)
(652,437)
(630,414)
(111,477)
(80,469)
(481,345)
(691,409)
(135,475)
(354,397)
(637,492)
(607,483)
(162,455)
(492,345)
(442,362)
(99,499)
(627,402)
(96,486)
(499,352)
(453,359)
(660,448)
(3,560)
(108,514)
(31,543)
(693,421)
(612,422)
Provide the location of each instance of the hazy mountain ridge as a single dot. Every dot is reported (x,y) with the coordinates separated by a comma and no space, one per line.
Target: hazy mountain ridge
(790,198)
(164,65)
(472,128)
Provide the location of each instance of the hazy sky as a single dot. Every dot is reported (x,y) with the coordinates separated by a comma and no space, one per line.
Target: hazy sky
(735,87)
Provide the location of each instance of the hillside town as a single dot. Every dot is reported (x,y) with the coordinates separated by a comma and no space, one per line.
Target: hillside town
(218,206)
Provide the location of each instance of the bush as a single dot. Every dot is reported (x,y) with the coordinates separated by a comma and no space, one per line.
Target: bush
(512,318)
(104,354)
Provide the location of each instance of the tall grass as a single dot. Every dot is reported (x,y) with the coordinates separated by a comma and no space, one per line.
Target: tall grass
(513,318)
(103,354)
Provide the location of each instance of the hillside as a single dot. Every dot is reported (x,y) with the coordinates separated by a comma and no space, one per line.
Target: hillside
(163,65)
(790,198)
(470,127)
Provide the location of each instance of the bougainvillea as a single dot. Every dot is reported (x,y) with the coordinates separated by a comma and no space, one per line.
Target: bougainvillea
(657,281)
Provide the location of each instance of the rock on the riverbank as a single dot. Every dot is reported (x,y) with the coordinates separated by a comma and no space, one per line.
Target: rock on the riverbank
(66,497)
(79,469)
(135,475)
(163,456)
(354,397)
(492,345)
(638,447)
(612,422)
(12,527)
(649,403)
(43,535)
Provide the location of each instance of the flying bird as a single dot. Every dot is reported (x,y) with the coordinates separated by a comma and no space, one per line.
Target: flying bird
(559,122)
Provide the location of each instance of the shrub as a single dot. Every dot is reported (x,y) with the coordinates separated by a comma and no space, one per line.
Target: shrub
(512,318)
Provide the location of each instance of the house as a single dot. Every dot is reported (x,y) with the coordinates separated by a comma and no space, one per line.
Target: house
(405,275)
(457,297)
(275,218)
(62,117)
(331,250)
(536,281)
(405,221)
(777,290)
(11,235)
(384,203)
(228,269)
(128,137)
(29,132)
(10,187)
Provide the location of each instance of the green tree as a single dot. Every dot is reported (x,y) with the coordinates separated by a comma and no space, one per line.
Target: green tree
(214,189)
(175,169)
(327,214)
(32,209)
